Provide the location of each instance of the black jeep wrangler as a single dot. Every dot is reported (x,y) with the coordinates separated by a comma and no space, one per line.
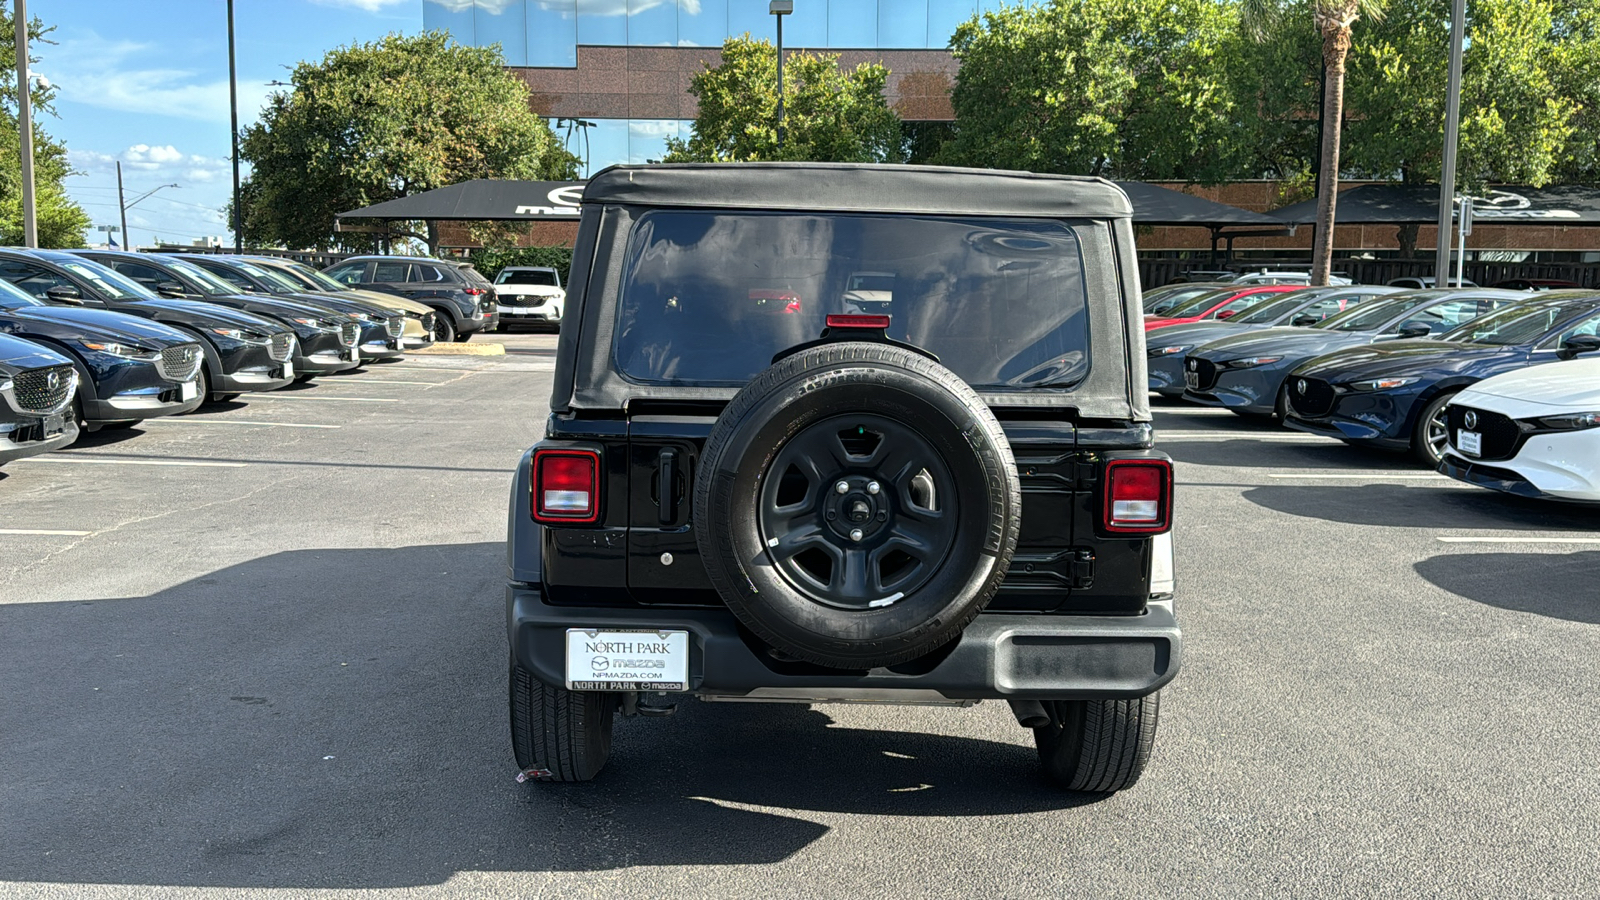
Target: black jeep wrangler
(750,489)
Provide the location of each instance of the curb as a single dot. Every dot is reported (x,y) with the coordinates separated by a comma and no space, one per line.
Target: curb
(459,349)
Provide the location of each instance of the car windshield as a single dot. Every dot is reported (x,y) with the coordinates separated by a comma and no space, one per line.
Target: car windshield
(1371,316)
(1159,304)
(1197,305)
(308,274)
(13,297)
(710,298)
(1270,312)
(527,276)
(277,280)
(111,284)
(211,285)
(1513,325)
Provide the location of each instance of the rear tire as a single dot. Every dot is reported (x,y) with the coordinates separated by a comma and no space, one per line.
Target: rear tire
(557,734)
(1099,746)
(444,331)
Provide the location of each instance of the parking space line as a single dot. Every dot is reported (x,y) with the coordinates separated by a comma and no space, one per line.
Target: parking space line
(1366,476)
(1451,539)
(188,421)
(114,461)
(44,531)
(1197,411)
(1240,435)
(332,399)
(337,380)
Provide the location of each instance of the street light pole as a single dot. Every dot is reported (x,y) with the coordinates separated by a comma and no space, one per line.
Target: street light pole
(1452,129)
(233,104)
(122,205)
(30,221)
(780,8)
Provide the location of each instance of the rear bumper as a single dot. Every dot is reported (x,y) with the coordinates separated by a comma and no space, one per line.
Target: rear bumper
(1000,655)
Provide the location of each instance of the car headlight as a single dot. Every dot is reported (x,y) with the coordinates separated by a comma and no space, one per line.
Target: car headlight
(1381,384)
(1167,351)
(5,385)
(319,324)
(1250,362)
(126,351)
(1569,422)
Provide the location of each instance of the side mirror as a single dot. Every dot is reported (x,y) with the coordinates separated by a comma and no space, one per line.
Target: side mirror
(65,293)
(1414,329)
(1578,343)
(170,289)
(1227,314)
(1302,320)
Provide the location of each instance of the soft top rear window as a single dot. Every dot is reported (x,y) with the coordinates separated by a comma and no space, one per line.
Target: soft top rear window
(708,298)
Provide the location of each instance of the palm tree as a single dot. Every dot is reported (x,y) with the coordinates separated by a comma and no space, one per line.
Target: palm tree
(1333,19)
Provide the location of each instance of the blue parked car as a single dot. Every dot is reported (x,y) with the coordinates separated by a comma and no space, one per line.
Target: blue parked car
(1394,395)
(129,368)
(36,390)
(1245,373)
(1167,346)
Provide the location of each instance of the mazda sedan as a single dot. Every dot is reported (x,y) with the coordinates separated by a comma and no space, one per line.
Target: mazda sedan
(1246,373)
(1394,395)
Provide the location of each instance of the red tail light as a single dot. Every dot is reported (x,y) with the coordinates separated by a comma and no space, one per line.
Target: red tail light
(566,486)
(1138,496)
(849,321)
(475,291)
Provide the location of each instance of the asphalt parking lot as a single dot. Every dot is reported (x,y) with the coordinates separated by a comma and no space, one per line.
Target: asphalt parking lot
(261,650)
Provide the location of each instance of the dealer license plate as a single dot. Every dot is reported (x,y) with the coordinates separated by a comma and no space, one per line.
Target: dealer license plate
(355,354)
(54,425)
(288,369)
(1469,442)
(188,391)
(1191,379)
(627,660)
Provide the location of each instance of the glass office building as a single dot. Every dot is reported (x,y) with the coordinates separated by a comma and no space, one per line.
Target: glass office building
(612,75)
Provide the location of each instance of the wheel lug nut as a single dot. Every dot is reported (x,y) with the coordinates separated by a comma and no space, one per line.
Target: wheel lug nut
(832,515)
(883,516)
(855,534)
(842,487)
(872,487)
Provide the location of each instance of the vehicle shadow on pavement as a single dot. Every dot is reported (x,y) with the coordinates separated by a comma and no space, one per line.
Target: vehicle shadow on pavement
(106,437)
(337,719)
(1246,452)
(1561,586)
(1410,505)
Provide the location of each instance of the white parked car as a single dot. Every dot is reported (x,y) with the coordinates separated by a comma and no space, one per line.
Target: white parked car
(1534,432)
(529,294)
(1275,276)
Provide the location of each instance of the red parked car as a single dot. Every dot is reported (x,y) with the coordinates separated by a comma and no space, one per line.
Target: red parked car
(1224,303)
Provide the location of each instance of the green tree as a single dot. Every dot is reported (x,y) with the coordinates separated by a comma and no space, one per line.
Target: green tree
(1334,21)
(1118,88)
(830,115)
(61,222)
(373,122)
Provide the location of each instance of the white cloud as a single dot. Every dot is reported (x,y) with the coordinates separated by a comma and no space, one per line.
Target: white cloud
(107,74)
(158,163)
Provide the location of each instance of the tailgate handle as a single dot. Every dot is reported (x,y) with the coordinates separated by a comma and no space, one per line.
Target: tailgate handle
(667,507)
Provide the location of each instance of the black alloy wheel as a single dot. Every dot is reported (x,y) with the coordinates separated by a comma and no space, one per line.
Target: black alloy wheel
(443,331)
(856,509)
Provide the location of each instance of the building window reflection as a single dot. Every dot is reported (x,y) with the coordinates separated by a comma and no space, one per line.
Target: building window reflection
(553,33)
(615,142)
(503,23)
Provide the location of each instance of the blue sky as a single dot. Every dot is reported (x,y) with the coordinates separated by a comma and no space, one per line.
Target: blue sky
(146,82)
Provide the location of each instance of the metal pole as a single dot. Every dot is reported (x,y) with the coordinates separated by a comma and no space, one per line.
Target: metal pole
(780,82)
(1452,128)
(122,205)
(30,221)
(233,103)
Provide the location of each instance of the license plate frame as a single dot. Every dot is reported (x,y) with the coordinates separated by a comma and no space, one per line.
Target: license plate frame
(188,391)
(1191,380)
(1469,442)
(627,659)
(53,425)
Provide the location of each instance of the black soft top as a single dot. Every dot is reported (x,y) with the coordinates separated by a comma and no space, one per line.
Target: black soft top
(859,187)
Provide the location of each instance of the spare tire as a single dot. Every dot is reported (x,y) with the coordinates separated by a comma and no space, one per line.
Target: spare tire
(856,505)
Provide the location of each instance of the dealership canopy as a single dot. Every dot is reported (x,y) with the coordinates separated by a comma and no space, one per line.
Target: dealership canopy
(1418,204)
(493,200)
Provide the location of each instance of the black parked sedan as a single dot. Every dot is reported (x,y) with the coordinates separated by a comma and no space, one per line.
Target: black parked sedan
(1394,395)
(326,337)
(243,352)
(128,368)
(37,385)
(381,329)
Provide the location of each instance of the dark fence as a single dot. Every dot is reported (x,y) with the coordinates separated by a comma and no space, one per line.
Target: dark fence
(1156,272)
